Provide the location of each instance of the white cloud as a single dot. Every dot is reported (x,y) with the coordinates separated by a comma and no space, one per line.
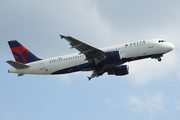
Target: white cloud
(148,70)
(177,104)
(136,102)
(11,115)
(109,102)
(8,116)
(151,104)
(64,78)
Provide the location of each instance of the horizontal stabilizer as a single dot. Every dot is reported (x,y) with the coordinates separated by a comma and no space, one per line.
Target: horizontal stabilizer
(17,65)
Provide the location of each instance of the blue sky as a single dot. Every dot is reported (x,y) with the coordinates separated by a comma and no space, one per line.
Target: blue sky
(149,92)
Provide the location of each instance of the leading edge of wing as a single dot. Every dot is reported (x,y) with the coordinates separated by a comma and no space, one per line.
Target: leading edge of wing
(88,50)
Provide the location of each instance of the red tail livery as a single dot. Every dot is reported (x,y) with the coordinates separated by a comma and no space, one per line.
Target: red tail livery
(20,53)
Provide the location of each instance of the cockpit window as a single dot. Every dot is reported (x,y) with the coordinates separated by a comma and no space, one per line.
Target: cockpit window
(161,41)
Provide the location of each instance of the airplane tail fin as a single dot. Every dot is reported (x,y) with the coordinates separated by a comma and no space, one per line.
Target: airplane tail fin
(20,53)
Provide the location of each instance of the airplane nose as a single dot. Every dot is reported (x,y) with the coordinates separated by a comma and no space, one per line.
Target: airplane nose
(171,46)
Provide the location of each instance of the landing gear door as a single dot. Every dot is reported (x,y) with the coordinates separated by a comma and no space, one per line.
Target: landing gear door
(41,65)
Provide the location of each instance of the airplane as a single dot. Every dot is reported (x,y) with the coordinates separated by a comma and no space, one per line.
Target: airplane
(110,60)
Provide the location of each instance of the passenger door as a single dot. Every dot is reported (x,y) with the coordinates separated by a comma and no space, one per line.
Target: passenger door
(41,65)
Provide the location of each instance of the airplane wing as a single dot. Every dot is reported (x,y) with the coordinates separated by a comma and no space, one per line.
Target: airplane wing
(89,51)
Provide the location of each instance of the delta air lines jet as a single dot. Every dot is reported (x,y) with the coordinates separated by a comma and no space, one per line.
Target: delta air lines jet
(89,58)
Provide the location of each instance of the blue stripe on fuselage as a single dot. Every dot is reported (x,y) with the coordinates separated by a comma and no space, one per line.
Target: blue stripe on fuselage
(74,68)
(87,65)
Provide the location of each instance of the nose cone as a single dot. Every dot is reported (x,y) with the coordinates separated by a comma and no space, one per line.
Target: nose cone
(171,46)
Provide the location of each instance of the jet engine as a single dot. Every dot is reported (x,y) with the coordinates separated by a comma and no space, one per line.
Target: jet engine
(112,56)
(120,70)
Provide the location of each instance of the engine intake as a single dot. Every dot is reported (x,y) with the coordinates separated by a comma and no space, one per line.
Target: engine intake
(112,56)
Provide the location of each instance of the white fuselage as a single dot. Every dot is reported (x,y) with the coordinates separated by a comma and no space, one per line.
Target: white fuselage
(129,51)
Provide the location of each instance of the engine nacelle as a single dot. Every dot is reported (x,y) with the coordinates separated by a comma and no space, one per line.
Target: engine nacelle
(112,56)
(120,70)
